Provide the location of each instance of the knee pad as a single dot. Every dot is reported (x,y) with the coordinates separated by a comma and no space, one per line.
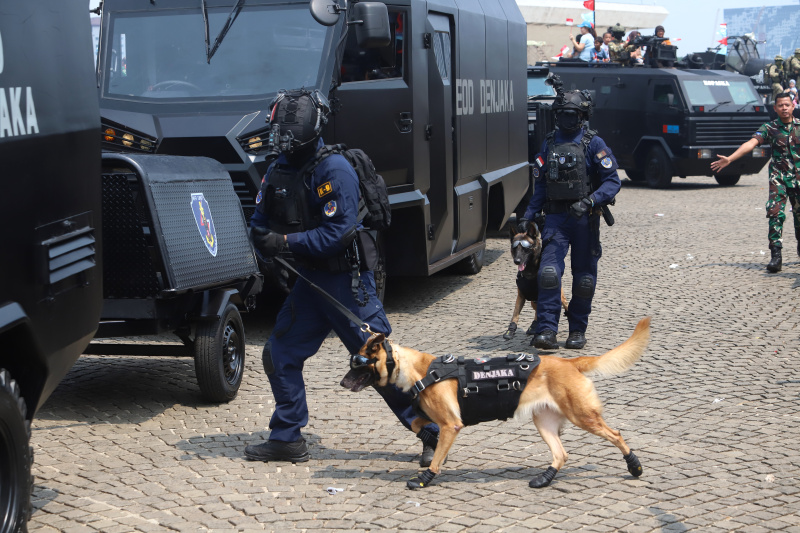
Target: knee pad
(585,288)
(266,358)
(548,279)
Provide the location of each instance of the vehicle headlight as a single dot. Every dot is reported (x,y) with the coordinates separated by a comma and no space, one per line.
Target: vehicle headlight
(254,143)
(759,152)
(705,153)
(127,140)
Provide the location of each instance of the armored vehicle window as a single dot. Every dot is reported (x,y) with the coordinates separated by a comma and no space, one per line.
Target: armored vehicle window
(662,93)
(161,55)
(359,64)
(538,87)
(713,92)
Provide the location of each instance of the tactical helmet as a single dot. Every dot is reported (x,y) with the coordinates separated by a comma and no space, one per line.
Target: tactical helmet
(617,29)
(300,115)
(580,101)
(778,58)
(797,51)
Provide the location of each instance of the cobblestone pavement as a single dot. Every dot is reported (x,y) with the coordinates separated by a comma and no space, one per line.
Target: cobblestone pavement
(125,444)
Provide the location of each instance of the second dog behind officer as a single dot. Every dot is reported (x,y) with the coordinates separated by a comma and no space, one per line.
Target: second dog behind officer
(314,216)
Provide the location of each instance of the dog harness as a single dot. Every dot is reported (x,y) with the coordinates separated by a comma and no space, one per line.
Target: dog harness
(489,389)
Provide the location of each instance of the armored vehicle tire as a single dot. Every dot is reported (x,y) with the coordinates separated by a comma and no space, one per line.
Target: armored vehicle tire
(219,356)
(472,264)
(657,168)
(635,175)
(16,457)
(727,181)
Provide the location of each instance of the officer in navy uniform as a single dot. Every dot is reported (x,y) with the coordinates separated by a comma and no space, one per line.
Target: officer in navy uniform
(575,174)
(315,218)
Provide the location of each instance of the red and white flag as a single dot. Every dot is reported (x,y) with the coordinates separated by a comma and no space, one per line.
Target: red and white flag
(569,22)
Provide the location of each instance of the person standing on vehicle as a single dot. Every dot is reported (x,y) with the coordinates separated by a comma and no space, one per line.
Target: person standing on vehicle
(775,76)
(583,46)
(616,47)
(793,66)
(576,175)
(313,215)
(783,136)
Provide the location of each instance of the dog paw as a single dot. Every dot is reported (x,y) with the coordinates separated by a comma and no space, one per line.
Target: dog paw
(421,481)
(634,466)
(512,329)
(543,479)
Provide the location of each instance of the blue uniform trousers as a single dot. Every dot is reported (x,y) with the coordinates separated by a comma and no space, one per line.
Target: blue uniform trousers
(303,323)
(562,231)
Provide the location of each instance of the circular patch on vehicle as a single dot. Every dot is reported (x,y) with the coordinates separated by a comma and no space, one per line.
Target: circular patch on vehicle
(330,208)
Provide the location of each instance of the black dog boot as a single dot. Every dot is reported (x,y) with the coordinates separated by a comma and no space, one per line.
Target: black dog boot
(535,324)
(429,441)
(421,481)
(543,479)
(512,329)
(276,450)
(575,341)
(634,466)
(546,340)
(777,261)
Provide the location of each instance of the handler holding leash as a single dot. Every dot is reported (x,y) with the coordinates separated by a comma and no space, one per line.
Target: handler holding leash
(783,135)
(576,177)
(314,216)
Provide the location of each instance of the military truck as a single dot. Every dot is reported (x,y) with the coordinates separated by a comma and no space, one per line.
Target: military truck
(437,103)
(666,122)
(50,288)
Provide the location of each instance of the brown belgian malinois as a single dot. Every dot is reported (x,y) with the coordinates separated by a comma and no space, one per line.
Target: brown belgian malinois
(556,390)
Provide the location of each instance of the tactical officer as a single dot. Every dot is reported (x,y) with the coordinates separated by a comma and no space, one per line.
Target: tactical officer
(576,174)
(782,135)
(793,66)
(775,76)
(616,47)
(313,215)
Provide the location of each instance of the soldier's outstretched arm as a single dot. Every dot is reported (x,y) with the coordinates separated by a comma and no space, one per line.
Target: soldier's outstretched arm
(724,161)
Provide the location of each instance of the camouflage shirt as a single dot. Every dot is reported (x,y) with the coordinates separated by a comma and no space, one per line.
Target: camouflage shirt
(615,49)
(784,139)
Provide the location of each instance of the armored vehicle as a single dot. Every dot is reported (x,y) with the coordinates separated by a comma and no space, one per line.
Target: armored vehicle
(50,288)
(437,103)
(666,122)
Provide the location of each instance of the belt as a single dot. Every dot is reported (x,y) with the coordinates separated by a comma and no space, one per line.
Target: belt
(557,206)
(328,264)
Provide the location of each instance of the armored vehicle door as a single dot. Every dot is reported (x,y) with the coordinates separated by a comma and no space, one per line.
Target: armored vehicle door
(375,102)
(665,111)
(615,116)
(439,132)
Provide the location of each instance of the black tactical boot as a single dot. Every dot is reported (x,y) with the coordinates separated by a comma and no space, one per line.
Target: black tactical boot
(277,450)
(777,261)
(575,341)
(546,340)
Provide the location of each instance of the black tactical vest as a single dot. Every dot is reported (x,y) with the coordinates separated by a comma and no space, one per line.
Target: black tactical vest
(567,175)
(286,202)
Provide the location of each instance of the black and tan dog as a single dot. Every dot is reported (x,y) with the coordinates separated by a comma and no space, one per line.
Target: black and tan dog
(526,250)
(556,390)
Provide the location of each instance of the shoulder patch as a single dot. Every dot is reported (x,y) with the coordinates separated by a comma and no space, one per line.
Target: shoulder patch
(539,162)
(324,189)
(601,154)
(259,197)
(330,208)
(606,162)
(535,172)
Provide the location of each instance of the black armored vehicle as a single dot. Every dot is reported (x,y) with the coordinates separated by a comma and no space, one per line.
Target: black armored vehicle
(437,104)
(666,122)
(51,283)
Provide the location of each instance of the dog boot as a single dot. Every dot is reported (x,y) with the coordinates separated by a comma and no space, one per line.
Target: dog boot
(532,329)
(429,441)
(512,329)
(421,481)
(546,340)
(543,479)
(777,261)
(276,450)
(575,341)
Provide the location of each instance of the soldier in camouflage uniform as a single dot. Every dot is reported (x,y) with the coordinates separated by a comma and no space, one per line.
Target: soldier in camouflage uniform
(793,65)
(783,136)
(774,74)
(616,47)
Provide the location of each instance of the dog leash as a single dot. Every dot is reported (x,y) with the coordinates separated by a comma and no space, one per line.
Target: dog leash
(333,301)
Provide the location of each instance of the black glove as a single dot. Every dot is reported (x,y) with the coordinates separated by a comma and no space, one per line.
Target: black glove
(580,208)
(267,242)
(538,219)
(522,225)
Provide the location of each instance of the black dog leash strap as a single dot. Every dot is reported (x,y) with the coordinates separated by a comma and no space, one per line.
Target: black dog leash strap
(333,301)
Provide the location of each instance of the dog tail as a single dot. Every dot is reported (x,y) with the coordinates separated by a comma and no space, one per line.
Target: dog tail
(618,359)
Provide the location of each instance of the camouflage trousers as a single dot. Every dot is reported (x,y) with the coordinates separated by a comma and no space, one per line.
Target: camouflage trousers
(778,194)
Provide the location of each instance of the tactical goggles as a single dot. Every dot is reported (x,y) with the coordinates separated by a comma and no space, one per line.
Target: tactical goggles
(525,243)
(359,361)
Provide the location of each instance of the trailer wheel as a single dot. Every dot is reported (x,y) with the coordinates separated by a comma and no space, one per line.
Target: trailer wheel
(657,168)
(16,457)
(219,356)
(472,264)
(727,181)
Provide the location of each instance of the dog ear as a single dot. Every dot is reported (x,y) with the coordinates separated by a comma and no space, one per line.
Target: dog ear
(512,229)
(533,229)
(374,342)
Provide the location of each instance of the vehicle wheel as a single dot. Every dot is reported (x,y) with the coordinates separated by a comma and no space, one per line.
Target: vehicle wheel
(727,181)
(657,168)
(219,356)
(635,175)
(16,457)
(472,264)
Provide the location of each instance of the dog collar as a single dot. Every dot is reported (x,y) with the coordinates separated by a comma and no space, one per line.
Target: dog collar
(390,362)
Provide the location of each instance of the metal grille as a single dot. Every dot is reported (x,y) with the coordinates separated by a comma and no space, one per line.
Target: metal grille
(128,270)
(733,131)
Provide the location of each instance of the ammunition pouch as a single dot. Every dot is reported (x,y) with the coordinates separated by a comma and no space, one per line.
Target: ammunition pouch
(488,389)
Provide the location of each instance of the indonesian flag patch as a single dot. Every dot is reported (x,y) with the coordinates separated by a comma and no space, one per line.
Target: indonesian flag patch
(539,162)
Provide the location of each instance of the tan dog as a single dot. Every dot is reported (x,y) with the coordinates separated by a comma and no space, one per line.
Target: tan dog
(526,251)
(557,390)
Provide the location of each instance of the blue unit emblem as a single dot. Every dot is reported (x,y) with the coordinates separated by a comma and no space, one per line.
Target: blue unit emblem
(204,221)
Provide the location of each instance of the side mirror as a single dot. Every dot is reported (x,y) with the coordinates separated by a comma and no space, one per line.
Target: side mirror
(326,12)
(371,20)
